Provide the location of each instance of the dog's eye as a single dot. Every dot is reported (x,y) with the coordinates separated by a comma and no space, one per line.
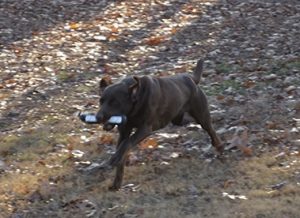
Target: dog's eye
(101,100)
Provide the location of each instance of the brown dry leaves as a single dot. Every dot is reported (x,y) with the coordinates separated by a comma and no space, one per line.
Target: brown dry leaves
(155,40)
(240,140)
(148,143)
(106,139)
(64,54)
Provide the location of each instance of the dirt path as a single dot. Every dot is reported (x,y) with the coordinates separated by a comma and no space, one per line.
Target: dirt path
(53,54)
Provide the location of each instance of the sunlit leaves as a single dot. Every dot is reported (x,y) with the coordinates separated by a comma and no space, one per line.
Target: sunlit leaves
(52,57)
(106,139)
(153,41)
(241,140)
(148,143)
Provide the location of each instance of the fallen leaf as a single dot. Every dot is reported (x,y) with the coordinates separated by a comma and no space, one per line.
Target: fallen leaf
(100,38)
(114,29)
(290,89)
(74,26)
(233,197)
(270,77)
(240,140)
(174,155)
(190,9)
(181,69)
(271,125)
(148,143)
(164,163)
(227,183)
(112,37)
(248,84)
(92,167)
(72,142)
(107,69)
(279,185)
(174,30)
(131,187)
(220,97)
(11,81)
(153,41)
(42,162)
(106,139)
(77,153)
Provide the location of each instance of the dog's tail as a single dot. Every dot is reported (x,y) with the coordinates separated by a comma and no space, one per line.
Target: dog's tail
(198,71)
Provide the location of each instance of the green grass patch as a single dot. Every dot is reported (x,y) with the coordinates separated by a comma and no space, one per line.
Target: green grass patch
(51,120)
(22,143)
(283,68)
(294,65)
(85,89)
(3,125)
(28,155)
(7,145)
(65,76)
(71,76)
(221,87)
(30,143)
(223,68)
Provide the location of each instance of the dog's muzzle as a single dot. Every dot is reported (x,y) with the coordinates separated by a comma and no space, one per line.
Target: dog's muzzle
(108,126)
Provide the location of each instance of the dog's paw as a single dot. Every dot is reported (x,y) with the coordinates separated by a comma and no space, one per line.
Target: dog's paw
(114,187)
(220,149)
(219,146)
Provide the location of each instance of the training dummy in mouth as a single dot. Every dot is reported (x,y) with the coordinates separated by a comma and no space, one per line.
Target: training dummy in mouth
(91,118)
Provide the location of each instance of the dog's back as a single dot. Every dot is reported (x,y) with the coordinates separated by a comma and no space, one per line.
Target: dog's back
(168,98)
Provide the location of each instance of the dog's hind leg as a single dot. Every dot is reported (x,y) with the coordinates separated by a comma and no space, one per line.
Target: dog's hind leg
(178,120)
(200,112)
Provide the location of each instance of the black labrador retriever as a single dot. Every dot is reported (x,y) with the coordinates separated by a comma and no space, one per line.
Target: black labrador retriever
(150,103)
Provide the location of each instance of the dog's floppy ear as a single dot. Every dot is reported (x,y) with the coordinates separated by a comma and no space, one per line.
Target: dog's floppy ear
(104,82)
(134,87)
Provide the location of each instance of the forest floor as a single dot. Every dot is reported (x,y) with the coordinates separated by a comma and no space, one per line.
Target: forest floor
(52,56)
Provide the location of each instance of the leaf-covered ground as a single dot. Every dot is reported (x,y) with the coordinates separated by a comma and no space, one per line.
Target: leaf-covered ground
(52,55)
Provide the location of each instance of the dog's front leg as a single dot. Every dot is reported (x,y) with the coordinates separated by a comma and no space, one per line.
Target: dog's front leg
(124,133)
(124,147)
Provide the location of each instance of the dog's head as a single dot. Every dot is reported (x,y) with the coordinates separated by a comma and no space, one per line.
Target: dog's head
(118,98)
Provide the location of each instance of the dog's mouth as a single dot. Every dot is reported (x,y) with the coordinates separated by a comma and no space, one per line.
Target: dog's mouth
(108,126)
